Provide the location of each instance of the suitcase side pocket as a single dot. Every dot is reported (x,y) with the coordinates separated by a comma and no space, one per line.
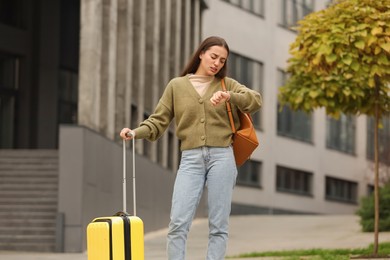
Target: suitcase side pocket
(99,242)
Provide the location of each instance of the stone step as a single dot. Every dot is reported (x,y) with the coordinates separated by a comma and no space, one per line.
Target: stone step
(27,155)
(29,173)
(24,222)
(20,179)
(21,153)
(20,221)
(29,159)
(28,214)
(37,193)
(27,208)
(28,187)
(28,167)
(29,202)
(26,238)
(28,230)
(27,247)
(10,202)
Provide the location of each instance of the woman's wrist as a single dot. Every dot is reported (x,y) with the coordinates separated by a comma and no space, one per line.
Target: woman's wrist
(229,96)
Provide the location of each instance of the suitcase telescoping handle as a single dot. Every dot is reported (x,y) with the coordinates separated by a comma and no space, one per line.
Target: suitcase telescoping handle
(124,175)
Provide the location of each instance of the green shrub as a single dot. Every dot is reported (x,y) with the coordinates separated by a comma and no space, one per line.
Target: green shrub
(367,211)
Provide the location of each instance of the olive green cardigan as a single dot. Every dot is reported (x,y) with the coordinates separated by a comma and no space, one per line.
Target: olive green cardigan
(198,122)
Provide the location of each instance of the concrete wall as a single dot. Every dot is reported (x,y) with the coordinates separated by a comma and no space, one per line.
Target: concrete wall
(90,185)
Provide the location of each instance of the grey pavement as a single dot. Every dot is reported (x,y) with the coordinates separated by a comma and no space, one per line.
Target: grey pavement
(251,233)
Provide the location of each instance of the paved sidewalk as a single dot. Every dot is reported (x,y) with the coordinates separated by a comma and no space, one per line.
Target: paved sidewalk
(252,233)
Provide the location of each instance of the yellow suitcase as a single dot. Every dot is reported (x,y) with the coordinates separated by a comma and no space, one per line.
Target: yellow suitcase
(118,237)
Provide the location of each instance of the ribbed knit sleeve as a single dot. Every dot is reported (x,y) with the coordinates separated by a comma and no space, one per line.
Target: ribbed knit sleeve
(153,127)
(246,99)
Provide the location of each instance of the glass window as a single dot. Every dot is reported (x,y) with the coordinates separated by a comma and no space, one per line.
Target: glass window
(340,134)
(294,181)
(9,70)
(13,13)
(293,124)
(253,6)
(249,73)
(340,190)
(329,3)
(295,10)
(7,123)
(9,84)
(249,174)
(68,97)
(383,140)
(370,189)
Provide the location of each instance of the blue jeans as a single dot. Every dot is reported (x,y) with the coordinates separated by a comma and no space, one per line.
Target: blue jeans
(215,168)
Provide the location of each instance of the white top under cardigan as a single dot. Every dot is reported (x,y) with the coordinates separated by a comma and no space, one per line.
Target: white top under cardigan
(200,82)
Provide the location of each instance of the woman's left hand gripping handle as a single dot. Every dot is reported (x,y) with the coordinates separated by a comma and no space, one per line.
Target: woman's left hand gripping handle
(127,134)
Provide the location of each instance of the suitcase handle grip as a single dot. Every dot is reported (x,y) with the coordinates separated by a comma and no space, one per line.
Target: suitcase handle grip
(122,214)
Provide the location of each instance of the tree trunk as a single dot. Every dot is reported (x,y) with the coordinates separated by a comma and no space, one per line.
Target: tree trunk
(376,162)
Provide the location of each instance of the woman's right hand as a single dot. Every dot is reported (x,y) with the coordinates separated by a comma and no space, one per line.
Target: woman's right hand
(127,134)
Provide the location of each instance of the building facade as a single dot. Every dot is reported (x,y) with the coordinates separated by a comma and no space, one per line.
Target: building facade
(306,163)
(127,56)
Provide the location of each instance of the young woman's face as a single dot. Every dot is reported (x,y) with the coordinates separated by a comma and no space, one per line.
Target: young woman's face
(212,61)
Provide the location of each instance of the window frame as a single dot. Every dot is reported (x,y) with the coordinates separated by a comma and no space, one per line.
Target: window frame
(352,187)
(286,176)
(289,123)
(247,171)
(383,140)
(299,11)
(67,96)
(242,5)
(341,134)
(237,71)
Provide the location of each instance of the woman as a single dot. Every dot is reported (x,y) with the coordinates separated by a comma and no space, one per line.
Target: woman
(197,103)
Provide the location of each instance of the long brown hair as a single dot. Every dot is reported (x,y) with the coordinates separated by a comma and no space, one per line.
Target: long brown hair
(194,62)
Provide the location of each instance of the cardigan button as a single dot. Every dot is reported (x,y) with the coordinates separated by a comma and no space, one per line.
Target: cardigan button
(200,101)
(202,120)
(202,137)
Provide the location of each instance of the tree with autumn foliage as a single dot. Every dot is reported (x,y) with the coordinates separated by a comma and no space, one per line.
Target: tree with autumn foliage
(340,60)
